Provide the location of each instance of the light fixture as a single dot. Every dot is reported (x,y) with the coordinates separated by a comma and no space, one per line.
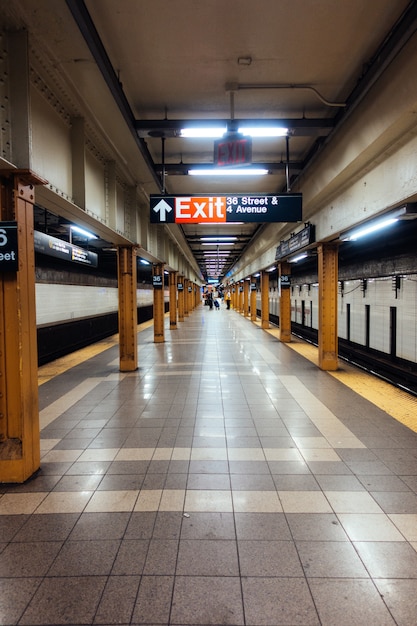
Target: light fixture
(299,257)
(203,133)
(244,171)
(368,229)
(404,212)
(83,232)
(217,132)
(215,238)
(219,243)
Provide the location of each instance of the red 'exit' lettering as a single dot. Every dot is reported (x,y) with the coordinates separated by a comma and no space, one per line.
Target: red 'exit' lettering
(197,210)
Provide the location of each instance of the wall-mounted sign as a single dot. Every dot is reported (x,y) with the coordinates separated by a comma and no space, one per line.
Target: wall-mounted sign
(296,242)
(9,260)
(253,286)
(233,150)
(60,249)
(180,286)
(230,208)
(157,281)
(285,281)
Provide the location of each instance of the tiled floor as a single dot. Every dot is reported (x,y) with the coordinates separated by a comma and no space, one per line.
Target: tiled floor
(227,481)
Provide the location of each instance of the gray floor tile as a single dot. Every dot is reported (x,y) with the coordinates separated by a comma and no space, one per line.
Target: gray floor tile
(153,603)
(278,601)
(207,600)
(204,557)
(348,602)
(268,558)
(65,601)
(85,558)
(118,600)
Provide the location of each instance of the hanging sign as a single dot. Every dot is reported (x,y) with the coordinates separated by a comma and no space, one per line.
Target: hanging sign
(228,208)
(157,281)
(233,150)
(45,244)
(296,242)
(9,259)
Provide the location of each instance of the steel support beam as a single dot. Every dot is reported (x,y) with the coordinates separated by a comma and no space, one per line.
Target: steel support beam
(328,282)
(127,285)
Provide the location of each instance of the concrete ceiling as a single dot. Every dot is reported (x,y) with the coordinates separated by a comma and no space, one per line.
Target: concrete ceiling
(166,61)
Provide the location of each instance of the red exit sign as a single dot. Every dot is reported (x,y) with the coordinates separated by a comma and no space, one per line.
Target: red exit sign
(233,150)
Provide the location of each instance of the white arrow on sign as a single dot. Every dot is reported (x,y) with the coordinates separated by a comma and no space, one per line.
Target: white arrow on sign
(162,208)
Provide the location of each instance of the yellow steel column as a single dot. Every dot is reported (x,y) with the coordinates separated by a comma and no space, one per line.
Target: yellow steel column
(173,300)
(284,302)
(190,296)
(128,311)
(240,305)
(180,298)
(328,276)
(253,299)
(186,283)
(19,412)
(264,299)
(158,303)
(246,298)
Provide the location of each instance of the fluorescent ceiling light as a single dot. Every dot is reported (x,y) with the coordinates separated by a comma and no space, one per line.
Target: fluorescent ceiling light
(368,229)
(214,238)
(272,131)
(243,171)
(221,131)
(299,257)
(218,243)
(201,133)
(144,262)
(83,232)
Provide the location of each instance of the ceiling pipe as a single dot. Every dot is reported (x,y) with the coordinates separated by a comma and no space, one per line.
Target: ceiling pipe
(232,87)
(86,25)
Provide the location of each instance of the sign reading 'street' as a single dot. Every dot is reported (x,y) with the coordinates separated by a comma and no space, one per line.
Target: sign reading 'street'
(228,208)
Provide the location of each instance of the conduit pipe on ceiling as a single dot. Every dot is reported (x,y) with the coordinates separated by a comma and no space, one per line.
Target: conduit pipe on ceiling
(232,87)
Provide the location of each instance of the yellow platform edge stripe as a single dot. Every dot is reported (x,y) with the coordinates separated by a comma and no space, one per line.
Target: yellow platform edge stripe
(401,405)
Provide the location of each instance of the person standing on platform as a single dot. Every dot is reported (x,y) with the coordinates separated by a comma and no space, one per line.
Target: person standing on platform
(228,298)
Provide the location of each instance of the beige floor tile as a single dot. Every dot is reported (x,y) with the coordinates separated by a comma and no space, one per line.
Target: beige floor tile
(148,500)
(304,502)
(311,442)
(62,456)
(48,444)
(209,454)
(134,454)
(369,527)
(112,501)
(282,454)
(208,500)
(256,502)
(96,454)
(406,524)
(65,502)
(345,442)
(162,454)
(181,454)
(172,500)
(20,503)
(246,454)
(320,455)
(352,502)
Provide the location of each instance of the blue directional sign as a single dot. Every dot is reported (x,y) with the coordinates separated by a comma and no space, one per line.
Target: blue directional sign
(228,208)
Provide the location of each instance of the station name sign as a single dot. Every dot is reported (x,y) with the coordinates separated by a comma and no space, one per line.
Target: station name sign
(227,208)
(9,261)
(296,242)
(52,246)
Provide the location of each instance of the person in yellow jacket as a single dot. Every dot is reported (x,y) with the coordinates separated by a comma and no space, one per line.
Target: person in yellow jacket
(228,298)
